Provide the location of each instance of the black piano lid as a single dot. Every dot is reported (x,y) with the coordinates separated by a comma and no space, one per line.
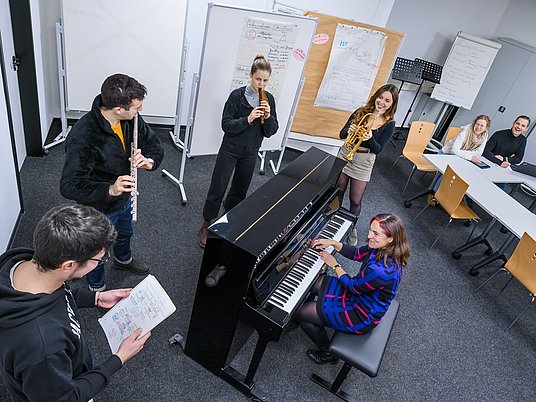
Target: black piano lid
(254,223)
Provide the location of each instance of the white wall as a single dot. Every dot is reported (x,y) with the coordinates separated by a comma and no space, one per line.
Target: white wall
(519,22)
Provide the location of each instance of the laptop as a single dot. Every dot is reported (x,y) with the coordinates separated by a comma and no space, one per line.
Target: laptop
(525,168)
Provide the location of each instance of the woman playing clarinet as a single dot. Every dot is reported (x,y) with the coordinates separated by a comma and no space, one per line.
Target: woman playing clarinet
(243,134)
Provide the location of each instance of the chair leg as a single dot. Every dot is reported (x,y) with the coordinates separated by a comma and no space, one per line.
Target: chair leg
(419,214)
(517,318)
(413,170)
(440,233)
(472,231)
(507,282)
(391,168)
(487,280)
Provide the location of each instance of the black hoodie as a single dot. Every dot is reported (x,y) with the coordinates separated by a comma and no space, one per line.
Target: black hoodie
(43,354)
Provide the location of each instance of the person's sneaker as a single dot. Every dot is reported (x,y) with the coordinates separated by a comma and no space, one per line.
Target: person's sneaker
(100,289)
(131,267)
(431,200)
(352,237)
(203,234)
(320,357)
(215,275)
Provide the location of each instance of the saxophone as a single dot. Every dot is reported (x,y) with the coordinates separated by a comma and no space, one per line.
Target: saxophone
(355,137)
(134,169)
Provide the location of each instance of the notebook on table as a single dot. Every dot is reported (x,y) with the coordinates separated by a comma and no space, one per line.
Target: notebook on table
(525,168)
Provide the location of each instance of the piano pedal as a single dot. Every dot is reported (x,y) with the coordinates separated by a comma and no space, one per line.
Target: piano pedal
(177,338)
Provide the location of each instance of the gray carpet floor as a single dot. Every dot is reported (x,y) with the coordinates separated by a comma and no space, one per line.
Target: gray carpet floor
(446,344)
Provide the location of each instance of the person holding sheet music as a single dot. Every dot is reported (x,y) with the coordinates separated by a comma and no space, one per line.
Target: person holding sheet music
(44,354)
(382,104)
(355,304)
(246,120)
(97,164)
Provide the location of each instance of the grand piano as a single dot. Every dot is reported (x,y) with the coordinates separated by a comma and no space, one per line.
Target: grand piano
(264,243)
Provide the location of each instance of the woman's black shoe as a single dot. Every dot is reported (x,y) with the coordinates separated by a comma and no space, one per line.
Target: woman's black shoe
(320,357)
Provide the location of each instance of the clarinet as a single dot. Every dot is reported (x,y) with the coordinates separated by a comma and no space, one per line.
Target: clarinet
(134,170)
(262,97)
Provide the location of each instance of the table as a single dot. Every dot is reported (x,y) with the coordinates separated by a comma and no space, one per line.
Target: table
(497,203)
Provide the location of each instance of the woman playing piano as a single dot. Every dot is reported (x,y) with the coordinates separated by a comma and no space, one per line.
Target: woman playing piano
(246,120)
(355,304)
(382,104)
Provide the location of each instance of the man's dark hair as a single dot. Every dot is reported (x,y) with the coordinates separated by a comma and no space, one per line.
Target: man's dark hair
(120,90)
(523,117)
(71,232)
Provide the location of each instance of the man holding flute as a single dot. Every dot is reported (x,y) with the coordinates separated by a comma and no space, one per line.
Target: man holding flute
(98,164)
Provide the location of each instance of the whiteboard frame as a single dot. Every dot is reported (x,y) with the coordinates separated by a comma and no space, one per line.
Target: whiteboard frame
(471,38)
(154,113)
(192,151)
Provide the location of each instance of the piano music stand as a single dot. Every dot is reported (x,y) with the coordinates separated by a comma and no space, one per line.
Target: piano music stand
(411,71)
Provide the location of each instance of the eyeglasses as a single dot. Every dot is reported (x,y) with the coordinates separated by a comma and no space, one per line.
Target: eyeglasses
(102,260)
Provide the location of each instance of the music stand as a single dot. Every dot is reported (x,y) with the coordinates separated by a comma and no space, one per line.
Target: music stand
(431,72)
(411,71)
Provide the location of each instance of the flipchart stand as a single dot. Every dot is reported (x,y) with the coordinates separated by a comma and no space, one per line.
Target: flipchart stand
(175,133)
(65,128)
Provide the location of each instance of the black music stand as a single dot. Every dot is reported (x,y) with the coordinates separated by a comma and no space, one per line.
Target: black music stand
(431,71)
(411,71)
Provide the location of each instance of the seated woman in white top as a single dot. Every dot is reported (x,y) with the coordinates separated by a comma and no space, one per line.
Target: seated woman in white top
(470,142)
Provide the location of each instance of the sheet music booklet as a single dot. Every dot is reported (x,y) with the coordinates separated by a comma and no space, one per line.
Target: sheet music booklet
(147,306)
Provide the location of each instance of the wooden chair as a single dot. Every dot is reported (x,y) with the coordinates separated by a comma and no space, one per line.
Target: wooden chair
(419,136)
(450,196)
(437,145)
(522,266)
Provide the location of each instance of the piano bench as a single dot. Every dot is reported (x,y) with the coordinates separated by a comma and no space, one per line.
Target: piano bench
(364,352)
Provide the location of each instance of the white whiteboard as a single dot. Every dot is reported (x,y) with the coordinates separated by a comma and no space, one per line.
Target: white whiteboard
(143,39)
(223,31)
(10,207)
(467,65)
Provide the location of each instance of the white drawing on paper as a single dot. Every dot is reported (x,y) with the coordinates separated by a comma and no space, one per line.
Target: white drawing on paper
(274,40)
(353,63)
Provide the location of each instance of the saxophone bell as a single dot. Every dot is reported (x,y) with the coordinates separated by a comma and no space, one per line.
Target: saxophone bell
(356,136)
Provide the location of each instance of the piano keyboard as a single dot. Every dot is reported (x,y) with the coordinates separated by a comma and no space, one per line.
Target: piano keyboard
(302,275)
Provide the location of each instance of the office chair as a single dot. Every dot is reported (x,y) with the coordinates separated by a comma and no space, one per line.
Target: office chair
(522,266)
(419,136)
(450,196)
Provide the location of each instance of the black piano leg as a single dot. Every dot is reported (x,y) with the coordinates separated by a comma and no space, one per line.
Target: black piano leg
(245,384)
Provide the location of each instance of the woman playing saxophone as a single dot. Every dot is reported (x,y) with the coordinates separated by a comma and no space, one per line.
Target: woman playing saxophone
(376,128)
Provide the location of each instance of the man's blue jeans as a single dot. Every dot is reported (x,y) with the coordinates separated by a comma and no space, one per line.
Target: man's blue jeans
(122,220)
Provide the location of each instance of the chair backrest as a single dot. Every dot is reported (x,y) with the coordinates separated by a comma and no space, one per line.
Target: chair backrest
(419,136)
(451,190)
(522,263)
(451,133)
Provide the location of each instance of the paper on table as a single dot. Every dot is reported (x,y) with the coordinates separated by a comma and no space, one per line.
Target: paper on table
(147,306)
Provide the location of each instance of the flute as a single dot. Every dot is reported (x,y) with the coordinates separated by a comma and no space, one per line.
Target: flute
(262,96)
(134,170)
